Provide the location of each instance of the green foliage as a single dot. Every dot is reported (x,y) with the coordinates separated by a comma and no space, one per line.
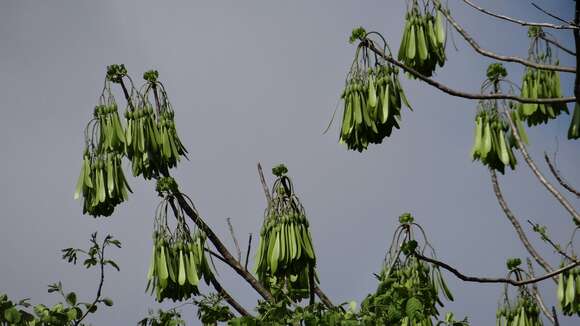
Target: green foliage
(71,311)
(211,310)
(162,318)
(358,33)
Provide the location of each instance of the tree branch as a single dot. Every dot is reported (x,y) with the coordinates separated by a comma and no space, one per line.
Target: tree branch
(229,299)
(99,289)
(495,280)
(537,295)
(233,234)
(323,297)
(516,224)
(552,15)
(226,255)
(558,45)
(264,184)
(248,251)
(539,174)
(556,174)
(490,54)
(496,96)
(518,21)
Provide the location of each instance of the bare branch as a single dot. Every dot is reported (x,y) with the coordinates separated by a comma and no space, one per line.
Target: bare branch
(556,174)
(537,295)
(233,234)
(248,251)
(518,21)
(496,280)
(229,299)
(516,224)
(559,197)
(264,184)
(558,45)
(496,96)
(490,54)
(556,323)
(552,15)
(323,297)
(551,243)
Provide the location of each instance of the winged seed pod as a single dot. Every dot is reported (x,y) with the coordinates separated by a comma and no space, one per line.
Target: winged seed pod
(493,142)
(102,183)
(539,83)
(423,42)
(285,255)
(178,260)
(568,291)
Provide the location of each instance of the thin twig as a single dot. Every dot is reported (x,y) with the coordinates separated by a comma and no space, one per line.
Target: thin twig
(561,180)
(518,21)
(552,15)
(558,45)
(556,322)
(264,184)
(495,96)
(537,293)
(559,197)
(516,224)
(551,243)
(496,280)
(493,55)
(233,234)
(99,289)
(248,251)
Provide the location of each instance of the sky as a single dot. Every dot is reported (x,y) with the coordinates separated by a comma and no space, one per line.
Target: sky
(257,81)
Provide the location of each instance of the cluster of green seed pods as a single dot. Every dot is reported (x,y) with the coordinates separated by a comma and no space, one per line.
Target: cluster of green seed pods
(493,141)
(177,264)
(568,292)
(285,254)
(372,106)
(524,312)
(423,43)
(541,84)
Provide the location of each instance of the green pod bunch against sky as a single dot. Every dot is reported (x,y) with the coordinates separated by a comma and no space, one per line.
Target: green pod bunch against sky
(177,265)
(493,143)
(102,184)
(541,84)
(524,311)
(423,41)
(372,100)
(285,255)
(143,142)
(568,292)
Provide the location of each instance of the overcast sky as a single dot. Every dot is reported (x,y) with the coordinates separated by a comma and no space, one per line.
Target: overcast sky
(257,81)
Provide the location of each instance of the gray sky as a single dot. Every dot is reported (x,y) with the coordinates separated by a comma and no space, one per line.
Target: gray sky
(258,81)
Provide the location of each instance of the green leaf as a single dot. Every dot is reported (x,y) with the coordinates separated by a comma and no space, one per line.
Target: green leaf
(108,302)
(413,308)
(71,298)
(12,315)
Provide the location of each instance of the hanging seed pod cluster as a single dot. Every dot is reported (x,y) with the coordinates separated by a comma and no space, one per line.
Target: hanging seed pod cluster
(153,145)
(538,83)
(494,143)
(149,141)
(423,43)
(285,254)
(178,259)
(101,182)
(373,98)
(568,292)
(408,286)
(523,310)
